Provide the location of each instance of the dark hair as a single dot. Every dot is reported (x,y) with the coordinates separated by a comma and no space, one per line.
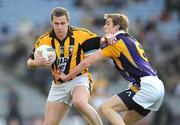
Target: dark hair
(59,11)
(119,19)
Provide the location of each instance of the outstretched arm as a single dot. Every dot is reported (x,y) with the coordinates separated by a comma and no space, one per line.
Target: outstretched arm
(87,62)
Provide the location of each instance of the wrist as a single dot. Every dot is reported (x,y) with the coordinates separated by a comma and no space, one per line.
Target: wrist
(66,78)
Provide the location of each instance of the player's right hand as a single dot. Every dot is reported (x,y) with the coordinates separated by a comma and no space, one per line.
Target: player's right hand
(110,38)
(42,61)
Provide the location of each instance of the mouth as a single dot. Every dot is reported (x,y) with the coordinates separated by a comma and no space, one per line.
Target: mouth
(59,31)
(105,31)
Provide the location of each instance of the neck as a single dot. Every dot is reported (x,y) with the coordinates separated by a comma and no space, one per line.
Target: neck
(61,37)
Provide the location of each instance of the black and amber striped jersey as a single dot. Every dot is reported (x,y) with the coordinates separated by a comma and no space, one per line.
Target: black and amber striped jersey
(70,51)
(129,58)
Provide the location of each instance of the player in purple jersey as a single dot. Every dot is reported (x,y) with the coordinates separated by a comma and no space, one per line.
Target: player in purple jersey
(146,90)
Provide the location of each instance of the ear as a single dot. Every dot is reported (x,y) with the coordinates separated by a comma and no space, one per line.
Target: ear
(117,27)
(68,21)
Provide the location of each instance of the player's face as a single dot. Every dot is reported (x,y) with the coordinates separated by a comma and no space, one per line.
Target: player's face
(60,25)
(109,27)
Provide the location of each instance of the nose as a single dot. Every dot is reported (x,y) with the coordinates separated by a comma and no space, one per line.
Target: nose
(59,27)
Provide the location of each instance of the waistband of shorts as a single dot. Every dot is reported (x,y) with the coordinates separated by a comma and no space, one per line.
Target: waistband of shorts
(79,75)
(147,78)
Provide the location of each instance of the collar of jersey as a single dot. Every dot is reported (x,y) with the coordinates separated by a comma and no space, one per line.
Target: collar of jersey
(70,32)
(119,32)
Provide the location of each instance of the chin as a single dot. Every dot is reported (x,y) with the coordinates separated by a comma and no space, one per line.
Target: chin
(61,34)
(105,32)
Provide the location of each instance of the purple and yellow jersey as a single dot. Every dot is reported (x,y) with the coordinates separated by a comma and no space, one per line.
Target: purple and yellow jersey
(129,58)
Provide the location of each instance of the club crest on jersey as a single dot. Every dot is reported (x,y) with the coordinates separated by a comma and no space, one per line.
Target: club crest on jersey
(61,63)
(71,48)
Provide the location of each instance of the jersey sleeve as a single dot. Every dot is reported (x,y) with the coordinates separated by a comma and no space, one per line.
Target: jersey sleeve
(90,42)
(40,41)
(112,50)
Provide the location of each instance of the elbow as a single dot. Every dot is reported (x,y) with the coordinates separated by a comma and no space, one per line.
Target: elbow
(29,64)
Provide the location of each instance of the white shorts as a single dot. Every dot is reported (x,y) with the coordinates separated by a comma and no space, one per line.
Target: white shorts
(151,93)
(63,92)
(148,97)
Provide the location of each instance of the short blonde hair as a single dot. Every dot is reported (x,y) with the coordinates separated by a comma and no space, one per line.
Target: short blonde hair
(59,11)
(118,19)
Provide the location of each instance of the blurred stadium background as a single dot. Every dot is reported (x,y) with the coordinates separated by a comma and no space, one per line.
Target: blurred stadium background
(23,92)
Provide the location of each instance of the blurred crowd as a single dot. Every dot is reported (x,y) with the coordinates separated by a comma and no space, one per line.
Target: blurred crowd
(162,50)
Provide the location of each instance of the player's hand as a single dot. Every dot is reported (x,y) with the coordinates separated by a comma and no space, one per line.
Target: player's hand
(61,76)
(110,38)
(42,61)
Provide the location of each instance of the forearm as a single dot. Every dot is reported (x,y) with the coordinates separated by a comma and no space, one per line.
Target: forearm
(39,62)
(31,63)
(78,69)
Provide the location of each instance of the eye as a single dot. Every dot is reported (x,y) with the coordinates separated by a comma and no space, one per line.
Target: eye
(56,23)
(108,23)
(63,23)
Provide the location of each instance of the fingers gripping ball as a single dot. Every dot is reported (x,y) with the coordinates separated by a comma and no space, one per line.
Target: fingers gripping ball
(46,51)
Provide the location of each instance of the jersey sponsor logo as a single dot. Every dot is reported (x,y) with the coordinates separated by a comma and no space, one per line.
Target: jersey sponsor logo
(61,63)
(62,49)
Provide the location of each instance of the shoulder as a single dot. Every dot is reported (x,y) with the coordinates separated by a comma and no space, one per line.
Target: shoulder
(122,35)
(44,38)
(81,30)
(45,35)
